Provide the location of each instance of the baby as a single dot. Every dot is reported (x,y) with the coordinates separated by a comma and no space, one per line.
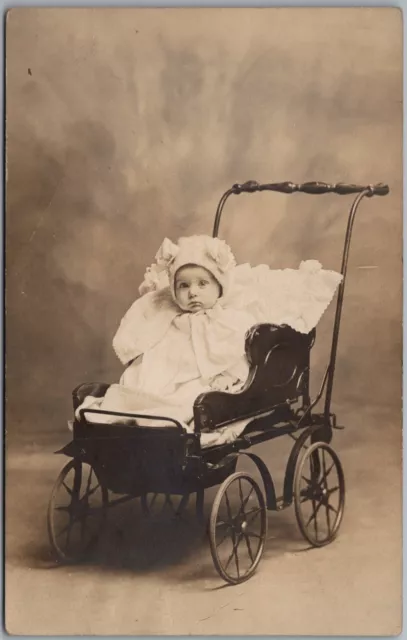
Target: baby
(185,335)
(181,337)
(196,289)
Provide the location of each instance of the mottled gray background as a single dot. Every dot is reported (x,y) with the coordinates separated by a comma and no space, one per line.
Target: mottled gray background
(125,126)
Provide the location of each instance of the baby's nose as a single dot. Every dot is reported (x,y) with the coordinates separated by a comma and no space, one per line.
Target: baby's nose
(193,291)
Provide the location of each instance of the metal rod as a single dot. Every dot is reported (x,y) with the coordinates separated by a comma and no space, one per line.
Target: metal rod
(219,212)
(335,336)
(121,500)
(316,399)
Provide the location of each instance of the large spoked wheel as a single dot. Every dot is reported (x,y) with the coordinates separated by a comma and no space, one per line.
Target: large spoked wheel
(76,512)
(319,494)
(238,527)
(163,505)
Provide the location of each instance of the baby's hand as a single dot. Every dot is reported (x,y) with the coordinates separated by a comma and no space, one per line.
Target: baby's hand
(223,382)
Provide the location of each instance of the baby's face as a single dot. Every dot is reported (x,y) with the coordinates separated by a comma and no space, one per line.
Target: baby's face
(196,289)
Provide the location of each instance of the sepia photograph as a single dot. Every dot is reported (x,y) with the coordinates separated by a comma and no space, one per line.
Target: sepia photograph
(203,321)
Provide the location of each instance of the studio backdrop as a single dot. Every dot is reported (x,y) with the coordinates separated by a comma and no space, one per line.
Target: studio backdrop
(125,128)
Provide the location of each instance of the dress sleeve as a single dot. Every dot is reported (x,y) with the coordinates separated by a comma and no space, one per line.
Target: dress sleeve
(143,325)
(125,342)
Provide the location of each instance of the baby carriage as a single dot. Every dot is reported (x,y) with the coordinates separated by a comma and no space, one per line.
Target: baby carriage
(114,463)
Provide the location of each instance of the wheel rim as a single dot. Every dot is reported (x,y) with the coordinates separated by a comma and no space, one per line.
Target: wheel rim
(319,494)
(163,505)
(237,528)
(76,512)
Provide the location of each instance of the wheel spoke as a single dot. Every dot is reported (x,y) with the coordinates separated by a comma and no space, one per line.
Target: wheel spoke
(326,474)
(254,513)
(237,560)
(235,539)
(92,491)
(238,539)
(66,509)
(252,534)
(314,507)
(245,501)
(313,516)
(309,482)
(330,507)
(331,491)
(228,561)
(234,543)
(222,523)
(242,505)
(327,514)
(248,545)
(67,488)
(225,537)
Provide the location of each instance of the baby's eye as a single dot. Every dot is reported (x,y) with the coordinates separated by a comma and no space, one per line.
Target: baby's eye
(182,285)
(203,283)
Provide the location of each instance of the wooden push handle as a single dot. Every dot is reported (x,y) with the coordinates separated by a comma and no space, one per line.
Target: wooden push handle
(312,188)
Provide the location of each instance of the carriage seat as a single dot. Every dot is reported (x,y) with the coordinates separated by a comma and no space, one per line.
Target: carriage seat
(279,360)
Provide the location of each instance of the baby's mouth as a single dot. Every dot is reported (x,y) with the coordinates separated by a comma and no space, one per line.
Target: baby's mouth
(195,303)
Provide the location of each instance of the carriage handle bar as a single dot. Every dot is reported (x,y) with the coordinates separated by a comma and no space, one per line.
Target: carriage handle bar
(140,416)
(316,188)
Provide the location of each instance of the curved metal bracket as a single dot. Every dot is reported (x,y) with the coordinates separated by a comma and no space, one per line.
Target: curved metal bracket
(269,489)
(72,450)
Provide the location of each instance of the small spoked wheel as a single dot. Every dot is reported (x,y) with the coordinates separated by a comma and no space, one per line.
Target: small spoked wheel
(76,511)
(238,527)
(319,494)
(163,505)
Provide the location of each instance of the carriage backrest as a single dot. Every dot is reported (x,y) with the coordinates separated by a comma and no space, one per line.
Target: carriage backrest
(279,371)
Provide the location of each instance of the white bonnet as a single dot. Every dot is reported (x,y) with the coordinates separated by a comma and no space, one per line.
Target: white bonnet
(204,251)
